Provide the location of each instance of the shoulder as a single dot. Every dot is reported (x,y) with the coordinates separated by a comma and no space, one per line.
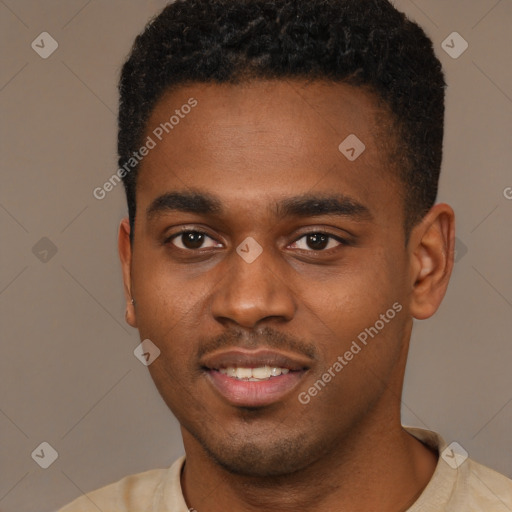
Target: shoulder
(459,483)
(131,493)
(485,489)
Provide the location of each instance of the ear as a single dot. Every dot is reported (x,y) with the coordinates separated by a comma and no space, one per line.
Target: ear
(125,254)
(432,247)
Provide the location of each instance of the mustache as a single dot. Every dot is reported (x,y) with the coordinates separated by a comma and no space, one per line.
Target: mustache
(261,338)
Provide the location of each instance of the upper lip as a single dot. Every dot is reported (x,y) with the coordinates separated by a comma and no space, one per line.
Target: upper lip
(254,359)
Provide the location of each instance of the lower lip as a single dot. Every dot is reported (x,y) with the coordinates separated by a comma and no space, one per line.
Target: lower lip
(251,393)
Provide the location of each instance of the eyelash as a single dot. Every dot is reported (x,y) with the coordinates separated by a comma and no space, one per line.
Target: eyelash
(341,241)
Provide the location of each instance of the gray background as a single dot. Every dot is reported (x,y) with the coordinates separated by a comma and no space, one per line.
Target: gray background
(68,373)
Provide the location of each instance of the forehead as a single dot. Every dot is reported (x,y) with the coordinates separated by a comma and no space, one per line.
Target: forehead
(268,137)
(261,114)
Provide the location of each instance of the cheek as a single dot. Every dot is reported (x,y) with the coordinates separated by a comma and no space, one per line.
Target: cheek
(353,296)
(362,317)
(161,296)
(168,313)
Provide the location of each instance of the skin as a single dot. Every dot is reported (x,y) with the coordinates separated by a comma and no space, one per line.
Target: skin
(252,146)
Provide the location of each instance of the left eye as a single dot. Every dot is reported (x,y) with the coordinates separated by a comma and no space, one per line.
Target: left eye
(317,242)
(190,240)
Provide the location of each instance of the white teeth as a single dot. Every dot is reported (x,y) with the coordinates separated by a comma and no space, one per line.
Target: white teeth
(263,372)
(243,373)
(253,374)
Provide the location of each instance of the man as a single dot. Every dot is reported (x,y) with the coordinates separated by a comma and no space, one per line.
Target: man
(281,162)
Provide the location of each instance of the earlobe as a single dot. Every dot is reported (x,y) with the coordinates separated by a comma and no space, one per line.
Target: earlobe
(125,255)
(432,250)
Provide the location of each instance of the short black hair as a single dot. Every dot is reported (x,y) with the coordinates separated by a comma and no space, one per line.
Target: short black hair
(365,43)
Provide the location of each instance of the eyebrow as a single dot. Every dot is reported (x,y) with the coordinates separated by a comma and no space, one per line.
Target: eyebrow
(306,205)
(188,202)
(309,205)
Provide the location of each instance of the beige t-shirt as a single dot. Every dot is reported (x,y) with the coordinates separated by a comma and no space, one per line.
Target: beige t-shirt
(457,485)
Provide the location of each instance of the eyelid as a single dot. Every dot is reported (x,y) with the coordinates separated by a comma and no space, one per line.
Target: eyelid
(195,228)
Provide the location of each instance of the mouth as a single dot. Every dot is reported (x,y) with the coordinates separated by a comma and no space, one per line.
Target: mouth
(254,379)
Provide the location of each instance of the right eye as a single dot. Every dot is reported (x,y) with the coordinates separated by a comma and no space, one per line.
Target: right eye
(191,240)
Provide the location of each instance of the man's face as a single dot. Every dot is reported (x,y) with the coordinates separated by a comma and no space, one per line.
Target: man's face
(266,159)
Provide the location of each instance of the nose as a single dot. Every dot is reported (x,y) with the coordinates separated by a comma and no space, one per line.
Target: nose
(251,293)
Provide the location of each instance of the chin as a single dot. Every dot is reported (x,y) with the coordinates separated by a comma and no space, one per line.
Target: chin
(268,458)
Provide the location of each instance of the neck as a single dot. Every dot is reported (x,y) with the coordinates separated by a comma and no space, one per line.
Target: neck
(377,466)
